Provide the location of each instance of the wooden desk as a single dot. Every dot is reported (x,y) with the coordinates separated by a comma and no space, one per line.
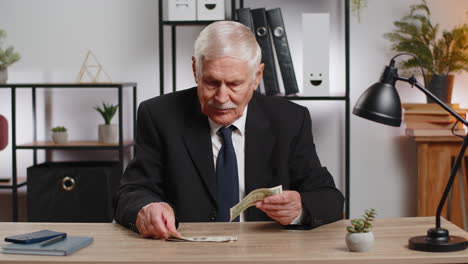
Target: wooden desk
(435,157)
(259,242)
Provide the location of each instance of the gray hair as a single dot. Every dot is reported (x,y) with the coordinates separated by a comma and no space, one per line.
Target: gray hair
(227,38)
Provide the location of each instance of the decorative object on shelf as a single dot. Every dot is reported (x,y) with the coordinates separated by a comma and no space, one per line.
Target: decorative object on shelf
(108,133)
(316,52)
(3,132)
(440,56)
(359,237)
(7,57)
(179,10)
(210,10)
(59,135)
(356,8)
(381,103)
(91,70)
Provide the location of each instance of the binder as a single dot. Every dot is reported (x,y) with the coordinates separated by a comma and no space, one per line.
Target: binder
(278,32)
(244,16)
(262,34)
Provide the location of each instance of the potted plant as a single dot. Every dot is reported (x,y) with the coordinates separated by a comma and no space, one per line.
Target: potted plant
(441,55)
(359,237)
(7,57)
(108,132)
(59,135)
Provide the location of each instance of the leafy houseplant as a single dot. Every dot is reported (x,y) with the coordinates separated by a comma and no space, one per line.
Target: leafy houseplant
(59,135)
(7,57)
(441,55)
(107,133)
(359,237)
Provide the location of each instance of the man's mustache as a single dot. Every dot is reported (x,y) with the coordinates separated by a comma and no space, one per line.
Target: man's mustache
(225,106)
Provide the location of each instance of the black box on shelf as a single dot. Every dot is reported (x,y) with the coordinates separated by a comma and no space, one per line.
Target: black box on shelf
(72,191)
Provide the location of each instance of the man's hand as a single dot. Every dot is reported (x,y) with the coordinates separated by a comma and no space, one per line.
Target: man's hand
(156,220)
(283,207)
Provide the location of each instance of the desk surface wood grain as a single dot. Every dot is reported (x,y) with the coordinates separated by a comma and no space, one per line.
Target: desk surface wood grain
(259,242)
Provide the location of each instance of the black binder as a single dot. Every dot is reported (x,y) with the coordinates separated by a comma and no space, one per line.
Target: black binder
(263,38)
(244,16)
(278,32)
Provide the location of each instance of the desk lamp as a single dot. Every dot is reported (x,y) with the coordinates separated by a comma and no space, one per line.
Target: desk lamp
(381,103)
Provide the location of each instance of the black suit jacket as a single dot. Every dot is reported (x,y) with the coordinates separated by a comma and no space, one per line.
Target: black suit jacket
(174,160)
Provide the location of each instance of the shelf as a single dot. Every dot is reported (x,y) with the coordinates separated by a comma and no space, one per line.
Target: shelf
(316,98)
(89,144)
(21,181)
(67,85)
(188,23)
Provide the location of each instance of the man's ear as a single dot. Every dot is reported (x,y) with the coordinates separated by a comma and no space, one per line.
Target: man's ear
(194,68)
(259,75)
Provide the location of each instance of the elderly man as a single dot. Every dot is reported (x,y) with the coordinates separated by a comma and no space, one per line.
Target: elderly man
(199,151)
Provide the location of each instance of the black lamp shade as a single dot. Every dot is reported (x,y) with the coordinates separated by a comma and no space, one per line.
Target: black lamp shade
(380,103)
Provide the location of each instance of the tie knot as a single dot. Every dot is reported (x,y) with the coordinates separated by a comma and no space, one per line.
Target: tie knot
(226,133)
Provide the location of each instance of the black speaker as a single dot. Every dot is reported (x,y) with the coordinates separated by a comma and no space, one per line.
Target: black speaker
(72,191)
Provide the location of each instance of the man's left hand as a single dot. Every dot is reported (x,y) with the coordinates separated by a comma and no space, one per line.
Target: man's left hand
(283,207)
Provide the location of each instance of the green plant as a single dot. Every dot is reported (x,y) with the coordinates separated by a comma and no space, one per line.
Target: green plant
(7,56)
(416,34)
(107,111)
(59,129)
(362,225)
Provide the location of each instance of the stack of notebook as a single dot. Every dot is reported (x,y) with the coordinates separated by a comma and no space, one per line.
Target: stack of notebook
(268,27)
(432,120)
(45,242)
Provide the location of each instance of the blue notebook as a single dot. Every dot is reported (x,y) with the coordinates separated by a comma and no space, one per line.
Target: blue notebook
(61,248)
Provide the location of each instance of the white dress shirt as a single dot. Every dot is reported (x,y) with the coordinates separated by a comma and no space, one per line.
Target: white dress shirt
(238,140)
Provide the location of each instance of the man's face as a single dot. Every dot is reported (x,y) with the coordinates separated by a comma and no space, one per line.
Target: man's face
(225,88)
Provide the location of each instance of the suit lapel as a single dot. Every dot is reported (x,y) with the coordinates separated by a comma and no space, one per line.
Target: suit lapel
(259,143)
(198,142)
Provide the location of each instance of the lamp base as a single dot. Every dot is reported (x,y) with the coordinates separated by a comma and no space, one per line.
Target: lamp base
(438,240)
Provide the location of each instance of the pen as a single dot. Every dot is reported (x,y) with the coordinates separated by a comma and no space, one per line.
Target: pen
(53,240)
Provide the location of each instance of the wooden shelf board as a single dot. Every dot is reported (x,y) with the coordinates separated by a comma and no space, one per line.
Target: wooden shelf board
(77,143)
(8,184)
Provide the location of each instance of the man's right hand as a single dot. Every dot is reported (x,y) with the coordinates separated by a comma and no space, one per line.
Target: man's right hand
(157,220)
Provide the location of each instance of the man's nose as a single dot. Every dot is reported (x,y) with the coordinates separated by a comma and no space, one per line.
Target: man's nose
(222,95)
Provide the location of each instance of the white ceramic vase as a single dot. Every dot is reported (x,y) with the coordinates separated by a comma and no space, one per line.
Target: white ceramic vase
(359,242)
(3,75)
(60,137)
(108,134)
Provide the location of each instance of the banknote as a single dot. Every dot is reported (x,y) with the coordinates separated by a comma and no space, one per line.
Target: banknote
(253,197)
(203,239)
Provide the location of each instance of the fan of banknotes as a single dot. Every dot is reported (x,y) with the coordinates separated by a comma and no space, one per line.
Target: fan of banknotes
(252,198)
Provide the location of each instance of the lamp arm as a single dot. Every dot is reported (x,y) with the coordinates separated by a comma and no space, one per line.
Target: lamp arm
(412,80)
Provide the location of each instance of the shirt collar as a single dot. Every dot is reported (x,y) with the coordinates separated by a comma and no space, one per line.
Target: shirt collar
(239,123)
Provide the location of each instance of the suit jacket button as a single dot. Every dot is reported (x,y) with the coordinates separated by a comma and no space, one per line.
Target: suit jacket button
(212,216)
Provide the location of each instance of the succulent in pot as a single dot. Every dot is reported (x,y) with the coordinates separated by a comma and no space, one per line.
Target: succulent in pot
(108,133)
(360,237)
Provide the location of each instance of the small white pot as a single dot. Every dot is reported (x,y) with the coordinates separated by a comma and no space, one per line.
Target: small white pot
(359,242)
(60,137)
(3,75)
(108,134)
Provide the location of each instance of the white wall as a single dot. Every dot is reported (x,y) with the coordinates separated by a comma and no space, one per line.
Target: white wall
(53,37)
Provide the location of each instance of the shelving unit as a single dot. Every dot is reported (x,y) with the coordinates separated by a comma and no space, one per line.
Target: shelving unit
(234,3)
(71,145)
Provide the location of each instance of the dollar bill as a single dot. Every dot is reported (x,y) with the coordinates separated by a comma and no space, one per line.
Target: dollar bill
(203,239)
(253,197)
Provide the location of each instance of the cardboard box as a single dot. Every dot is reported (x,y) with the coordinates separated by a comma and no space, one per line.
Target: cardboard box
(179,10)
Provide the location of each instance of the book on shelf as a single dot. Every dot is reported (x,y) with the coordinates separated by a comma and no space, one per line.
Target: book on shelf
(429,118)
(61,248)
(431,106)
(433,132)
(429,125)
